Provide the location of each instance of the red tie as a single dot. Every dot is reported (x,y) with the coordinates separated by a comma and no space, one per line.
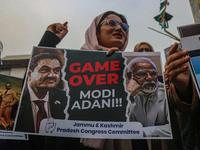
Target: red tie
(41,114)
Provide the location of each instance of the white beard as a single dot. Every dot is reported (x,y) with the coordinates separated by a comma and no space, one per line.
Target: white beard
(149,89)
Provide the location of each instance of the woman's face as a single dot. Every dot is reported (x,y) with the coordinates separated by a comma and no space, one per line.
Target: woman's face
(111,36)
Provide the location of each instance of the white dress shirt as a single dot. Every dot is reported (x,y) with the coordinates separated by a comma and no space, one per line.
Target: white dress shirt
(35,108)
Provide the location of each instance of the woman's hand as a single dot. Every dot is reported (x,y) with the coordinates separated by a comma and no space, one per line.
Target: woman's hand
(60,30)
(177,69)
(112,50)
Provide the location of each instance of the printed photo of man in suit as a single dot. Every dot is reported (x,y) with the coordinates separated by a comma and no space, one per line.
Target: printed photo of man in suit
(41,97)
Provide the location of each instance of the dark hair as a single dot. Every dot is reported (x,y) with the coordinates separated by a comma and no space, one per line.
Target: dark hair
(122,17)
(36,58)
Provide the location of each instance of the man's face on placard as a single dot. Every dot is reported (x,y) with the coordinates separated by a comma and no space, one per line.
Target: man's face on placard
(145,73)
(8,86)
(46,74)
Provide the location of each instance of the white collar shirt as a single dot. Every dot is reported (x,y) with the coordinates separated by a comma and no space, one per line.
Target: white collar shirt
(35,108)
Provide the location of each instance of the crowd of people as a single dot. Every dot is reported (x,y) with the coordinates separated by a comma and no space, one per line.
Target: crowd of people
(110,32)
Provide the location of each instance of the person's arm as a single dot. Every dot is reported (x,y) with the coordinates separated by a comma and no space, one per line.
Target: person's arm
(181,93)
(49,39)
(54,34)
(15,99)
(177,73)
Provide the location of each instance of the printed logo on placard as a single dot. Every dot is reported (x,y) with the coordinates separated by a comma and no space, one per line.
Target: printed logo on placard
(50,125)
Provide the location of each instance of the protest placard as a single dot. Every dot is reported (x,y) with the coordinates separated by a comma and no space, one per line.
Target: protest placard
(190,40)
(88,94)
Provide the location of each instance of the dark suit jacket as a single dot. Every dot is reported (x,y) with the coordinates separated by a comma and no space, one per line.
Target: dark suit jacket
(57,101)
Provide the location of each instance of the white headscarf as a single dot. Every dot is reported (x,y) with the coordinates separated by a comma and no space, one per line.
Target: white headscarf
(91,42)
